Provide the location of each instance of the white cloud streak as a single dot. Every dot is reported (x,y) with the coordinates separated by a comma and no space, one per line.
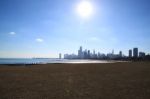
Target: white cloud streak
(12,33)
(39,40)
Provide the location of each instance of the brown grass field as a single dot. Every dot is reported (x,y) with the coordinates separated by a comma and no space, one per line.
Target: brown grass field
(126,80)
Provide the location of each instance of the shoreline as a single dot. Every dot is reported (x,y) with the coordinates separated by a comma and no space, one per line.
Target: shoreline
(37,62)
(27,64)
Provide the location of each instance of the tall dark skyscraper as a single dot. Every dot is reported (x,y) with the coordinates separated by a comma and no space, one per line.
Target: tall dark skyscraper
(135,52)
(85,54)
(80,52)
(130,53)
(89,54)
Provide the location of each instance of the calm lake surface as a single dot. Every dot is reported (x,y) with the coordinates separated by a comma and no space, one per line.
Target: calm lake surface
(46,60)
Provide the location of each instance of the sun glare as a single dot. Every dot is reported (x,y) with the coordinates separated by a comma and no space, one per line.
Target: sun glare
(84,9)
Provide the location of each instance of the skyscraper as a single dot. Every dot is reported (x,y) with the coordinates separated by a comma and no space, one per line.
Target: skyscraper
(130,53)
(80,52)
(89,54)
(113,52)
(135,52)
(59,55)
(120,54)
(93,52)
(141,54)
(85,54)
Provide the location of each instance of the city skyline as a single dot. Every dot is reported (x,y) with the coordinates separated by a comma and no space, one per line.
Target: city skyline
(36,28)
(88,54)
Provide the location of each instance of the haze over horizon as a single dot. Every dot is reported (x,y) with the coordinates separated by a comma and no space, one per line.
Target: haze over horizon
(36,28)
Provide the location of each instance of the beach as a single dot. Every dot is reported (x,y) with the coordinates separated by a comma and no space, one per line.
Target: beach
(121,80)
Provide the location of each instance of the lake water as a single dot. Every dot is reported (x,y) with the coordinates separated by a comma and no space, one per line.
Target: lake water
(45,60)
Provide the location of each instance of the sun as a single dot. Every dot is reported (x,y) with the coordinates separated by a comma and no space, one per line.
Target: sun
(84,9)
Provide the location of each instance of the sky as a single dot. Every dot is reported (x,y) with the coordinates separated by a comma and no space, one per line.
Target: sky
(45,28)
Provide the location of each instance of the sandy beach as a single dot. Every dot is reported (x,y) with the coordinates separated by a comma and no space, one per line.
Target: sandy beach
(126,80)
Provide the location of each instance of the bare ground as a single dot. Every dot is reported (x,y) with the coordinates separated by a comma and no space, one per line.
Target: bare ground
(129,80)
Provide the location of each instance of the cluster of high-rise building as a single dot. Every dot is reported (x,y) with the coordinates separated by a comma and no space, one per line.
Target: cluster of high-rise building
(136,54)
(87,54)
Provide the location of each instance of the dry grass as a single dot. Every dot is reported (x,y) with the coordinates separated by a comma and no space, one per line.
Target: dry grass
(76,81)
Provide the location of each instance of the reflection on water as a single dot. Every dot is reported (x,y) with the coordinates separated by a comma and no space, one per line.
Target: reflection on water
(46,60)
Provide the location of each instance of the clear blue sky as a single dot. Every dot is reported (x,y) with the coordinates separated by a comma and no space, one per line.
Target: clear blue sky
(44,28)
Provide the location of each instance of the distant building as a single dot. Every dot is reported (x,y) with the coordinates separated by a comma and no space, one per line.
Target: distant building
(135,52)
(89,56)
(85,54)
(110,55)
(93,52)
(66,56)
(59,55)
(120,54)
(98,55)
(130,53)
(70,56)
(94,56)
(80,53)
(141,54)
